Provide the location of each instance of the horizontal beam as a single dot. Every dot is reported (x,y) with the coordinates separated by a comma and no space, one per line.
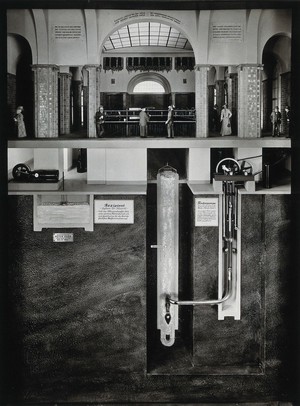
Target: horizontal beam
(136,142)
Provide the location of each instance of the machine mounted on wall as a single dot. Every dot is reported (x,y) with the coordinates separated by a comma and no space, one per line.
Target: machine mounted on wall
(229,174)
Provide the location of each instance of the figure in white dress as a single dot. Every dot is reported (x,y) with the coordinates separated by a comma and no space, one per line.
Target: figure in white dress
(225,121)
(19,120)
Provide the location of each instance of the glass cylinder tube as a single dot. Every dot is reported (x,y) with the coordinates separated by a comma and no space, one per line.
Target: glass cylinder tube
(167,251)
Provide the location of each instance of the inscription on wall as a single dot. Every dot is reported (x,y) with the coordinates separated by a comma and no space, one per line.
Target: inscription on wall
(146,14)
(226,32)
(67,32)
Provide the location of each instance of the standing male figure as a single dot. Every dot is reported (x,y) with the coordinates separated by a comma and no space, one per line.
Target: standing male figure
(170,122)
(100,121)
(144,119)
(288,120)
(276,121)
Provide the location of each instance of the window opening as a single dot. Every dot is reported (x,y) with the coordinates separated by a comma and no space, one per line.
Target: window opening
(148,86)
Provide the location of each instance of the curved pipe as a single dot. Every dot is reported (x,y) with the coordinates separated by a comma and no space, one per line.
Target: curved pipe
(213,302)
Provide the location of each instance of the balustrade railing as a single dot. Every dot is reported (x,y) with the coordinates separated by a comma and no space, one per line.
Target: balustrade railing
(125,123)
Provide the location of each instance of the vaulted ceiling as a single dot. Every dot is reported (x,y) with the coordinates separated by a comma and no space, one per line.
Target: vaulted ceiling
(147,34)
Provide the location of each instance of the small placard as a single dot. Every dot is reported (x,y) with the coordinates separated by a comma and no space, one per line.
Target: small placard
(63,237)
(114,212)
(207,212)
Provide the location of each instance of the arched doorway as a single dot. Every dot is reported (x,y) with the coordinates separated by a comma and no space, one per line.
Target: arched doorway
(24,84)
(276,79)
(21,93)
(150,90)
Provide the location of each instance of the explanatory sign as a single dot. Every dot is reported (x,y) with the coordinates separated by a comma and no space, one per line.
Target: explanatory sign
(227,32)
(207,212)
(67,32)
(113,212)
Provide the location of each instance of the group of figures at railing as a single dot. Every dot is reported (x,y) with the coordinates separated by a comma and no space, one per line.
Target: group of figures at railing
(223,122)
(145,121)
(159,123)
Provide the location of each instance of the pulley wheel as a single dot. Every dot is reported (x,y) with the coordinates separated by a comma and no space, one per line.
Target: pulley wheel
(231,165)
(20,170)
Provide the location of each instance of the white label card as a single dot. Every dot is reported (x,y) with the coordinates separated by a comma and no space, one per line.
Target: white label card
(113,212)
(206,212)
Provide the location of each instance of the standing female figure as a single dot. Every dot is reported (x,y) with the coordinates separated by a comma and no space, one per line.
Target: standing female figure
(19,120)
(225,121)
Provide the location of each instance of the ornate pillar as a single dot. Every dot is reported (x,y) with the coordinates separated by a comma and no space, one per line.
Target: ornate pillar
(11,101)
(125,100)
(76,89)
(92,81)
(211,90)
(220,93)
(285,99)
(201,100)
(266,104)
(45,100)
(173,99)
(232,98)
(249,89)
(64,102)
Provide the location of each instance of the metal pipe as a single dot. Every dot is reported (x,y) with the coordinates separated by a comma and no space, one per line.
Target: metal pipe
(249,157)
(212,302)
(228,197)
(236,211)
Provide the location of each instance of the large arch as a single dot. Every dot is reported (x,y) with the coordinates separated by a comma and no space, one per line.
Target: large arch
(176,91)
(24,24)
(148,19)
(281,25)
(153,76)
(279,46)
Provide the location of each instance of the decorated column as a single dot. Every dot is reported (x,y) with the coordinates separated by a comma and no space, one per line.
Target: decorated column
(201,100)
(211,90)
(64,102)
(91,75)
(232,98)
(249,112)
(285,90)
(220,93)
(266,104)
(45,100)
(173,99)
(76,89)
(125,100)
